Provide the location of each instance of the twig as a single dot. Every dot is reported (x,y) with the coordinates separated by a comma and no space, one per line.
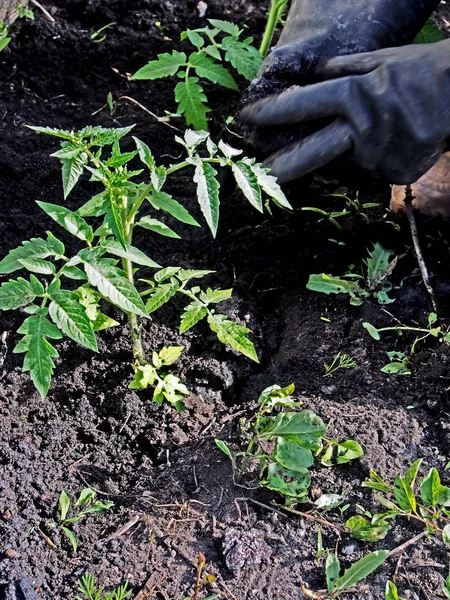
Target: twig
(408,543)
(44,10)
(316,519)
(415,238)
(46,538)
(122,529)
(266,506)
(162,120)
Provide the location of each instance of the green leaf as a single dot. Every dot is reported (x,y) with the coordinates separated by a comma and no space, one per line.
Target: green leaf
(19,292)
(38,265)
(192,103)
(327,284)
(411,473)
(215,296)
(213,51)
(208,194)
(32,249)
(360,570)
(145,154)
(222,446)
(275,394)
(404,495)
(64,505)
(304,428)
(225,26)
(429,34)
(292,456)
(169,354)
(391,592)
(113,217)
(248,183)
(293,484)
(430,488)
(193,313)
(166,273)
(362,529)
(372,331)
(332,569)
(165,202)
(377,263)
(144,376)
(4,42)
(187,274)
(245,59)
(70,317)
(111,282)
(130,252)
(446,535)
(166,65)
(39,352)
(162,294)
(343,453)
(375,482)
(157,227)
(229,332)
(269,184)
(95,207)
(195,38)
(71,537)
(207,68)
(71,222)
(72,169)
(328,501)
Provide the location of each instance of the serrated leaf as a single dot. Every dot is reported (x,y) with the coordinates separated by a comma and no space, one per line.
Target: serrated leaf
(39,352)
(70,317)
(31,249)
(72,169)
(245,59)
(115,205)
(71,537)
(213,51)
(72,272)
(292,456)
(248,183)
(64,505)
(360,570)
(193,313)
(225,26)
(95,207)
(145,154)
(377,262)
(166,65)
(208,194)
(188,274)
(169,354)
(332,569)
(38,265)
(165,202)
(192,103)
(229,332)
(112,283)
(157,227)
(207,68)
(166,273)
(71,222)
(215,296)
(162,294)
(269,184)
(16,293)
(130,252)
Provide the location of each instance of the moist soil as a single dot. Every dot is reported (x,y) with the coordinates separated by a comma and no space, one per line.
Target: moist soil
(161,468)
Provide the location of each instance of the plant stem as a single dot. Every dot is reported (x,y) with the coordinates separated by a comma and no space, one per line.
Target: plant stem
(276,9)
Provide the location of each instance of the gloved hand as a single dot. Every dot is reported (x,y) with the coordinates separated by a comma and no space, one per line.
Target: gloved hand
(389,108)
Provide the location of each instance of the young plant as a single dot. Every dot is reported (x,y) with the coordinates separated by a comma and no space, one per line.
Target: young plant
(284,444)
(391,592)
(431,508)
(340,361)
(446,587)
(53,308)
(89,591)
(275,16)
(352,206)
(86,504)
(22,13)
(378,268)
(166,385)
(213,47)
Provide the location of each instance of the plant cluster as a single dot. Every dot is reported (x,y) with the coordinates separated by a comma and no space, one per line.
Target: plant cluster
(283,441)
(5,26)
(55,307)
(86,504)
(214,47)
(89,590)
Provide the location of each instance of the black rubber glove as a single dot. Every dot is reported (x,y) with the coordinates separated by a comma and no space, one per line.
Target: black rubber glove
(390,108)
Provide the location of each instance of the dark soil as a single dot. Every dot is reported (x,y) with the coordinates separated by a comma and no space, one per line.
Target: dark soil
(164,466)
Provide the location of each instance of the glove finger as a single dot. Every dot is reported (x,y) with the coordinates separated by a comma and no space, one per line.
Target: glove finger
(313,152)
(354,64)
(299,104)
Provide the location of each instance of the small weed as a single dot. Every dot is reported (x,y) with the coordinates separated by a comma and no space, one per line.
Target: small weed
(207,64)
(86,504)
(284,445)
(391,592)
(5,26)
(378,268)
(89,591)
(97,36)
(352,206)
(340,361)
(431,508)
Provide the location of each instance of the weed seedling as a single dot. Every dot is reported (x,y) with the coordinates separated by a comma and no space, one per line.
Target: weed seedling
(378,268)
(431,508)
(122,205)
(89,591)
(340,361)
(284,444)
(391,592)
(86,504)
(214,46)
(97,36)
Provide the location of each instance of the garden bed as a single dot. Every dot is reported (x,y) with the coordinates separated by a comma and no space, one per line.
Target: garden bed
(151,460)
